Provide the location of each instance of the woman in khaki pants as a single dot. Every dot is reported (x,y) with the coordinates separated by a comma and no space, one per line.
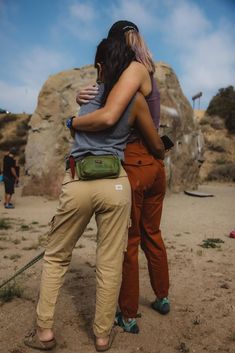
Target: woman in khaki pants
(110,201)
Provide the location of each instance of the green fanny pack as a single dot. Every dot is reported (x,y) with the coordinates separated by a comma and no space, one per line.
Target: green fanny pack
(98,167)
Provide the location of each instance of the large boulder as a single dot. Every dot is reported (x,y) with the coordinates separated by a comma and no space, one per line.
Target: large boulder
(49,141)
(179,123)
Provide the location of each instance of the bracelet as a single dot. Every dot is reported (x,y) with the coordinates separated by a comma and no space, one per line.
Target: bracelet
(69,122)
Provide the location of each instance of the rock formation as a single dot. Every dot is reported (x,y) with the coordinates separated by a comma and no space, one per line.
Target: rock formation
(219,155)
(178,122)
(49,141)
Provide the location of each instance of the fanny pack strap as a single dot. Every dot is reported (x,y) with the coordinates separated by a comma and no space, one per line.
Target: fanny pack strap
(72,166)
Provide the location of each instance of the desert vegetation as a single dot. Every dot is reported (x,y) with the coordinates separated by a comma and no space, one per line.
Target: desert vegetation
(14,133)
(218,128)
(223,105)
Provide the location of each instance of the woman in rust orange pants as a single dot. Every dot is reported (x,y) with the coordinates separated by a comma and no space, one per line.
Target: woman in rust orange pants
(148,183)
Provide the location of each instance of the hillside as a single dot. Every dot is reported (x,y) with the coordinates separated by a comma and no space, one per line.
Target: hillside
(219,149)
(13,133)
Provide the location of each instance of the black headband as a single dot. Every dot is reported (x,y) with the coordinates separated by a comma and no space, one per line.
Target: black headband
(120,27)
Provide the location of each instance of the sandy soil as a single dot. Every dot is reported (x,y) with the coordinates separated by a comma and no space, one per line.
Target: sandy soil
(202,280)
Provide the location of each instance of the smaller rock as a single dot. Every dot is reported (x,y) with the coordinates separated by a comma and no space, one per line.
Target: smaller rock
(225,286)
(183,348)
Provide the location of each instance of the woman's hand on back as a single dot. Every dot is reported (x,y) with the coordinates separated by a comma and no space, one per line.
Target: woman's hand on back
(86,94)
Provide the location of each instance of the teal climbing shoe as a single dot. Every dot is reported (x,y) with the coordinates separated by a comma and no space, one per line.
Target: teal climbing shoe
(129,325)
(161,305)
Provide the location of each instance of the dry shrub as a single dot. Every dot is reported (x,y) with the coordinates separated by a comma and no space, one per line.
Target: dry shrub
(223,173)
(22,128)
(221,161)
(16,141)
(10,291)
(218,145)
(7,119)
(4,224)
(217,123)
(206,120)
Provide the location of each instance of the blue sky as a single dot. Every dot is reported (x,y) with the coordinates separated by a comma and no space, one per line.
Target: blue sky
(39,38)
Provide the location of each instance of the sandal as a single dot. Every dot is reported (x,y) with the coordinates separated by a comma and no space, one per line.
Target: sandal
(32,340)
(107,346)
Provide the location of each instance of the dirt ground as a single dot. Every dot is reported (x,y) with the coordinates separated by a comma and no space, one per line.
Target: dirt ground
(202,279)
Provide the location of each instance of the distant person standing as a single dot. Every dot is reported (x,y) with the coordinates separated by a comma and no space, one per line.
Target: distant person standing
(9,176)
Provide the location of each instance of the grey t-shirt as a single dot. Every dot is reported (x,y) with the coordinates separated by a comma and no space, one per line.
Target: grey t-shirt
(110,141)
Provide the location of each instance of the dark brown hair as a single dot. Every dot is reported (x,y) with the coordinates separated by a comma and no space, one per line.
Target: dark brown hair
(114,56)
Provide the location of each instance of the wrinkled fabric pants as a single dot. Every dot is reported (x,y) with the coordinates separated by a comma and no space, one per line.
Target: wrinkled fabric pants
(148,184)
(110,200)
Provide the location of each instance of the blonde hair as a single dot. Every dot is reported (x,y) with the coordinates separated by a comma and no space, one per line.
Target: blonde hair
(137,44)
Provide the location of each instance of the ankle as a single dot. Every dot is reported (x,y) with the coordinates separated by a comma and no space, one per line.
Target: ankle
(45,334)
(102,340)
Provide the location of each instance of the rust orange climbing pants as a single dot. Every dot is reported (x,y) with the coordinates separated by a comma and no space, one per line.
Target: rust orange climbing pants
(148,184)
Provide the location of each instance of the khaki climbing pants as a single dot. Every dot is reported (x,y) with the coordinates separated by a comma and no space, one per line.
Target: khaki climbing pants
(110,201)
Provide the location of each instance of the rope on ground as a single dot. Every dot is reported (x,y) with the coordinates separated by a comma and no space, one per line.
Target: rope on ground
(24,268)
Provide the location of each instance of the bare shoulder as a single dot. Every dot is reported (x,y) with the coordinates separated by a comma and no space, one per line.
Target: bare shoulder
(138,74)
(137,67)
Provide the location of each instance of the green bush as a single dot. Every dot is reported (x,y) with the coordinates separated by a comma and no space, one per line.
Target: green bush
(17,142)
(221,161)
(22,128)
(7,119)
(4,224)
(230,121)
(10,291)
(223,105)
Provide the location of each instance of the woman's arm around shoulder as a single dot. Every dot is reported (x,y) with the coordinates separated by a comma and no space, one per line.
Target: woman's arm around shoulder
(131,80)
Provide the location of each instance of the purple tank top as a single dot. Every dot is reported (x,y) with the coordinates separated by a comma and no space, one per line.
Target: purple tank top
(153,101)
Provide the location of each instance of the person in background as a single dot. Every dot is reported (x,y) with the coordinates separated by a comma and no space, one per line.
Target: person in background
(146,175)
(9,177)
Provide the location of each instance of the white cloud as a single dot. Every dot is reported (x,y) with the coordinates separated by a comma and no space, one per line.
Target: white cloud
(18,98)
(32,70)
(38,63)
(186,22)
(81,19)
(206,54)
(210,63)
(82,12)
(137,11)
